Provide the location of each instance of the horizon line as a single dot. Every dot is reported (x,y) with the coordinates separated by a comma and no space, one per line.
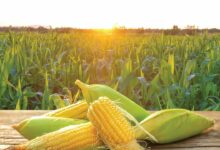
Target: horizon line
(100,28)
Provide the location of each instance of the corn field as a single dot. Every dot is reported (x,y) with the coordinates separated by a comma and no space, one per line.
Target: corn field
(157,71)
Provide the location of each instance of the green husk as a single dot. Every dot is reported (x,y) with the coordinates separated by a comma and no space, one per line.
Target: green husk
(94,91)
(173,125)
(37,126)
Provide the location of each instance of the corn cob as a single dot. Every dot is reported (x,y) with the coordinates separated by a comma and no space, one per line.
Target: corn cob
(77,110)
(173,125)
(112,126)
(94,91)
(37,126)
(78,137)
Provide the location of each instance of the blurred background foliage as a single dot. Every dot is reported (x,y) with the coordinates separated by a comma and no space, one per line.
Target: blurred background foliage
(157,71)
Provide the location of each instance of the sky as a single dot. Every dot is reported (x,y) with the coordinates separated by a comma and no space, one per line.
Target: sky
(111,13)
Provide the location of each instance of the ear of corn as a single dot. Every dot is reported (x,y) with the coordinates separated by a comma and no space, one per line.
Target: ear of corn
(77,110)
(173,125)
(75,137)
(112,126)
(94,91)
(37,126)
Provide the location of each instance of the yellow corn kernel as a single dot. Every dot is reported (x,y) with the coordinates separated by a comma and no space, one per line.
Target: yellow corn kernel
(113,128)
(94,91)
(76,137)
(77,110)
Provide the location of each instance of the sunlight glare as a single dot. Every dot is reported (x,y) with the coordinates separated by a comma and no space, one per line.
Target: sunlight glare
(107,13)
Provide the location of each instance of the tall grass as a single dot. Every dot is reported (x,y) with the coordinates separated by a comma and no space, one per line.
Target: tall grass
(37,71)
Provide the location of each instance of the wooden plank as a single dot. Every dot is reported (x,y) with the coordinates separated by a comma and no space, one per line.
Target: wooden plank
(209,140)
(4,146)
(9,136)
(8,132)
(13,116)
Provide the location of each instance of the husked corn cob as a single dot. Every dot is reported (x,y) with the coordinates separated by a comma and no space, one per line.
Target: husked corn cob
(94,91)
(113,128)
(77,137)
(77,110)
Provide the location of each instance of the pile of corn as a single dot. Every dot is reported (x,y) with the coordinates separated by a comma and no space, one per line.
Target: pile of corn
(107,119)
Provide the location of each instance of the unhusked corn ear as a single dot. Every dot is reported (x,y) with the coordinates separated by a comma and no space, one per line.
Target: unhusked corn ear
(173,125)
(111,125)
(37,126)
(76,137)
(94,91)
(77,110)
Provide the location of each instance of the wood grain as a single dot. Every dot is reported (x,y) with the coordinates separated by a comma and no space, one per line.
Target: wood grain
(209,140)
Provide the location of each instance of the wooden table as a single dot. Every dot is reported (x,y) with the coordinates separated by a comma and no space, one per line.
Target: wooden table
(210,140)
